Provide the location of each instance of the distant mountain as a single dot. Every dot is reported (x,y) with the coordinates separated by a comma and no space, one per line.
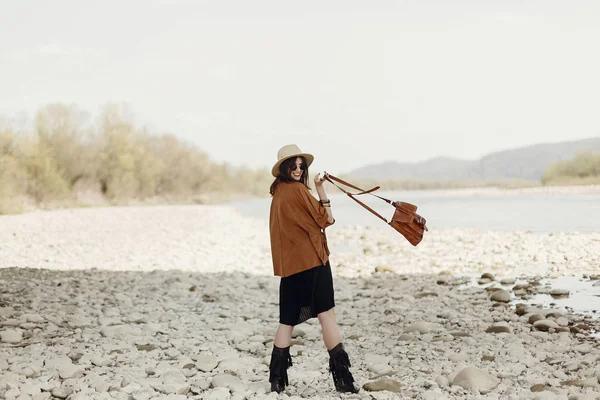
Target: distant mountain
(526,163)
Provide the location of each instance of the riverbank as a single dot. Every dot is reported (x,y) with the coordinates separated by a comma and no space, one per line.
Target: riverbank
(94,199)
(179,302)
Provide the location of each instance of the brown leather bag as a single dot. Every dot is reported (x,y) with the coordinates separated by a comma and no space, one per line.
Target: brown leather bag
(405,219)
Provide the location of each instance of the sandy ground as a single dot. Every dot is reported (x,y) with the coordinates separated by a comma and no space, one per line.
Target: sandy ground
(179,302)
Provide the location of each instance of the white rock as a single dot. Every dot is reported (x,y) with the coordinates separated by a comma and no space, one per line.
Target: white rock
(121,331)
(101,384)
(206,363)
(100,361)
(434,395)
(33,318)
(77,321)
(6,312)
(62,393)
(407,338)
(199,385)
(376,359)
(57,362)
(131,387)
(562,321)
(86,396)
(228,381)
(220,393)
(174,388)
(442,381)
(71,371)
(31,390)
(421,327)
(172,376)
(474,379)
(238,365)
(501,296)
(306,377)
(586,396)
(545,324)
(379,369)
(11,336)
(458,357)
(559,292)
(142,394)
(584,348)
(28,372)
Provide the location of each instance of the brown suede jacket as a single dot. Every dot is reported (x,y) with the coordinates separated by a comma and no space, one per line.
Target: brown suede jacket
(297,226)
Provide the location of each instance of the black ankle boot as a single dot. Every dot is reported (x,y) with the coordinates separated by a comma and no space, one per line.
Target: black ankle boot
(280,362)
(339,365)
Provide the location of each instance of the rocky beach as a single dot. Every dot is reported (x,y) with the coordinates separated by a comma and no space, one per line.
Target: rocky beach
(177,302)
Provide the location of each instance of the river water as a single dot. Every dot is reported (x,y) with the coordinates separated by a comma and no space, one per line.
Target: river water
(536,210)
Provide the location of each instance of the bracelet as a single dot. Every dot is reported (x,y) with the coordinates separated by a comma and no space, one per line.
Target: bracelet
(324,202)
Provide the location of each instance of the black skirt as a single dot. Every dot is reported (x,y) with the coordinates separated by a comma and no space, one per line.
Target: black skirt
(304,295)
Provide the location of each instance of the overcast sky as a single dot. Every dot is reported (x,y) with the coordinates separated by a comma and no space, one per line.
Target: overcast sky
(353,82)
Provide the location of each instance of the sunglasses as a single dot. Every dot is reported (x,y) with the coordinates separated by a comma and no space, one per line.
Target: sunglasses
(295,167)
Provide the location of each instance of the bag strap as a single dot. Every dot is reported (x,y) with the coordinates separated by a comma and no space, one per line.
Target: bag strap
(331,179)
(367,207)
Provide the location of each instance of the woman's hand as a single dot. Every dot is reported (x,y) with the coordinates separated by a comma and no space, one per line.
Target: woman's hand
(319,181)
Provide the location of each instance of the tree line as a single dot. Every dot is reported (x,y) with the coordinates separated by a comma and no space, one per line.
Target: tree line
(69,159)
(66,159)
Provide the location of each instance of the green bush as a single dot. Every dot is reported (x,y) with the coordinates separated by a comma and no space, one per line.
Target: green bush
(582,169)
(186,169)
(12,175)
(44,180)
(64,132)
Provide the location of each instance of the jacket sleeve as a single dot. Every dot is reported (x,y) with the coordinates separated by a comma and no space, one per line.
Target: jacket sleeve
(313,208)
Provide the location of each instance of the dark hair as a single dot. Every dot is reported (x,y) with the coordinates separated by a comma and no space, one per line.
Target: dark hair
(285,175)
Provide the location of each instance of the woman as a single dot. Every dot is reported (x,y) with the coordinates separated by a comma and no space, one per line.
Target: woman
(301,259)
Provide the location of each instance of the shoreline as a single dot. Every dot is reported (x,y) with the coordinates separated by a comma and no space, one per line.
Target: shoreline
(223,199)
(217,238)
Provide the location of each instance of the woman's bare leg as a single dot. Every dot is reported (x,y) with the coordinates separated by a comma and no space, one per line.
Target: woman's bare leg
(331,333)
(283,336)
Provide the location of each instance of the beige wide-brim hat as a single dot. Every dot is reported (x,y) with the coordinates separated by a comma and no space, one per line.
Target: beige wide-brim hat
(289,151)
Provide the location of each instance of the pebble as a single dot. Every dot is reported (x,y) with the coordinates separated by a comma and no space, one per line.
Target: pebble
(421,327)
(11,336)
(545,324)
(389,385)
(474,379)
(501,296)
